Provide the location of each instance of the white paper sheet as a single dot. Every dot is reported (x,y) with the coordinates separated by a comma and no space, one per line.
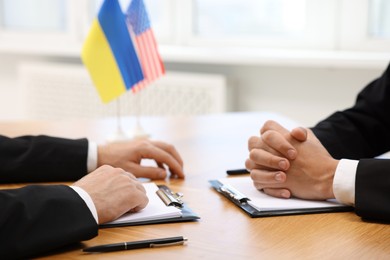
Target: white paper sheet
(156,209)
(262,201)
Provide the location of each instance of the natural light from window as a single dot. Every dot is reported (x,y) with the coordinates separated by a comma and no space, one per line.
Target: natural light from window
(255,18)
(37,15)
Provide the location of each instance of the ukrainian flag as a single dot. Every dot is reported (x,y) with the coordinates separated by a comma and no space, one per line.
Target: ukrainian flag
(109,55)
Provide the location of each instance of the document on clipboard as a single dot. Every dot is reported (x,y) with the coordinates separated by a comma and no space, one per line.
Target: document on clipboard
(241,192)
(164,206)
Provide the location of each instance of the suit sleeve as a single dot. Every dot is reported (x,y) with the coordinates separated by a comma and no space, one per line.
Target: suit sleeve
(362,131)
(42,158)
(36,219)
(372,189)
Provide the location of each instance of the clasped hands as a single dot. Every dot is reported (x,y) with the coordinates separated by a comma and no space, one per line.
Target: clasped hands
(288,164)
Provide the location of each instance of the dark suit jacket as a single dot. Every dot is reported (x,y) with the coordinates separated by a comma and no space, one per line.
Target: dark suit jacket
(363,132)
(36,219)
(42,158)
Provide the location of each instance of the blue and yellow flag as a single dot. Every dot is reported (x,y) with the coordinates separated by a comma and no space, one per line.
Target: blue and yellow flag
(109,55)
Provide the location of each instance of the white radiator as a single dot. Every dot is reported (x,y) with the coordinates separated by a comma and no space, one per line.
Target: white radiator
(60,91)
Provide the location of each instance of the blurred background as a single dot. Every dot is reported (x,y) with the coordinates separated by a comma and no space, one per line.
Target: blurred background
(301,58)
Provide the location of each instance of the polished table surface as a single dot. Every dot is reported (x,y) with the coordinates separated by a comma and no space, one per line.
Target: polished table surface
(209,145)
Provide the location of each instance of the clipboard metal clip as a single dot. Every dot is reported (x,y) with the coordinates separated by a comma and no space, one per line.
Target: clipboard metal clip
(170,198)
(233,193)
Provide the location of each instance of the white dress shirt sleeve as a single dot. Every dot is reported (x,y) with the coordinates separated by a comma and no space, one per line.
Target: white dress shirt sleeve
(88,200)
(344,181)
(92,156)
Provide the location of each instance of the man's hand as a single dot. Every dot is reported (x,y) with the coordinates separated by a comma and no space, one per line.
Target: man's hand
(285,164)
(128,156)
(114,192)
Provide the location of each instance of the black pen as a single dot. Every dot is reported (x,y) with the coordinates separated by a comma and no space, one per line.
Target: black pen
(237,171)
(160,242)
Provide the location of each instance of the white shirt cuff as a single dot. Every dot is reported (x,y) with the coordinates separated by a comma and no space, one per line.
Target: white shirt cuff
(88,200)
(92,156)
(344,181)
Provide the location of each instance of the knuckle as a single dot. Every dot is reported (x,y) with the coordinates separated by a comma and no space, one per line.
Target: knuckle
(143,143)
(268,125)
(248,164)
(253,155)
(268,136)
(252,142)
(106,167)
(170,147)
(253,175)
(117,170)
(272,161)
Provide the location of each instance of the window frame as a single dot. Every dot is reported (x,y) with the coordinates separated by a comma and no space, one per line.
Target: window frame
(343,33)
(57,42)
(354,27)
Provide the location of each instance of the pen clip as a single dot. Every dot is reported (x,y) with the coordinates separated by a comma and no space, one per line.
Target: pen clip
(233,193)
(170,198)
(169,244)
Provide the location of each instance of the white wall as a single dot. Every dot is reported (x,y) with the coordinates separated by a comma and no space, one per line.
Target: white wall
(302,93)
(9,97)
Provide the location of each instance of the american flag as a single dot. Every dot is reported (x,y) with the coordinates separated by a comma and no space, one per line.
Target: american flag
(138,23)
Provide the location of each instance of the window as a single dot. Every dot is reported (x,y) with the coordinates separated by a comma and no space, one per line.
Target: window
(249,18)
(266,23)
(39,15)
(40,25)
(286,24)
(379,19)
(160,13)
(367,28)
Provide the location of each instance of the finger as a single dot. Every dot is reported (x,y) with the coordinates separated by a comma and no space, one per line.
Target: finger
(278,193)
(251,165)
(267,179)
(161,156)
(128,174)
(299,133)
(169,149)
(255,142)
(264,158)
(143,202)
(154,173)
(140,187)
(272,125)
(278,142)
(160,165)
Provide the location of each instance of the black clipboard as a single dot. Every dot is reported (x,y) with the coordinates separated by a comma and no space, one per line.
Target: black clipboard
(170,199)
(242,202)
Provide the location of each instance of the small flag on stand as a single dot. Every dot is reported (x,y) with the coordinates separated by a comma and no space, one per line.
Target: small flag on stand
(139,26)
(113,62)
(109,54)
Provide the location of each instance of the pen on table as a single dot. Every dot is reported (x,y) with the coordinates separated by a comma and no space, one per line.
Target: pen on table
(160,242)
(237,171)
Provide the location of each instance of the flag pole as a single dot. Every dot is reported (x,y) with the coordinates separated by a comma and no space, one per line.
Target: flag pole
(119,135)
(138,131)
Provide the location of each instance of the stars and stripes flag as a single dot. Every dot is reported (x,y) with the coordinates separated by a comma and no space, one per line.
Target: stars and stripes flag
(139,26)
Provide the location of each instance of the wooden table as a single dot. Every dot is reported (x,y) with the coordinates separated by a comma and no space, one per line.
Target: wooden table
(209,145)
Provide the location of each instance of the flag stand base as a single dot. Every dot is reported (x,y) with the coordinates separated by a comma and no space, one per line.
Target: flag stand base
(138,132)
(118,136)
